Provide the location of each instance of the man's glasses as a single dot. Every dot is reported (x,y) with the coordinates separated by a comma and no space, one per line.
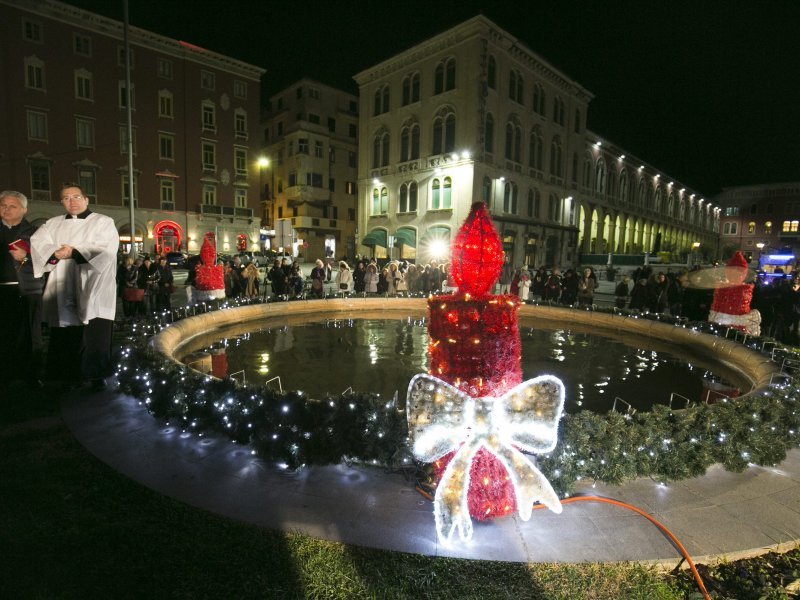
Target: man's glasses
(68,198)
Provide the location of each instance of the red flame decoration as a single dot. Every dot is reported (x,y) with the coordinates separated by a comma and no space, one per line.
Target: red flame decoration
(477,253)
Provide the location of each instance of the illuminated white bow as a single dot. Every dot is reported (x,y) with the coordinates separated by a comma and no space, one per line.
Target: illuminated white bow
(443,419)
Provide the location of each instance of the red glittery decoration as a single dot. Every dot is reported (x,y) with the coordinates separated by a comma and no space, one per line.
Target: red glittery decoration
(476,253)
(733,300)
(475,346)
(209,276)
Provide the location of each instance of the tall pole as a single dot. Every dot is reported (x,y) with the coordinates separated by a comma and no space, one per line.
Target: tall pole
(129,111)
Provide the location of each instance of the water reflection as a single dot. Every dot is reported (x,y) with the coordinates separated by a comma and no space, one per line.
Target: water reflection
(381,356)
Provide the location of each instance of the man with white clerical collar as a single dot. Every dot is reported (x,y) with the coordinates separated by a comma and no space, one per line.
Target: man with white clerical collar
(20,295)
(79,251)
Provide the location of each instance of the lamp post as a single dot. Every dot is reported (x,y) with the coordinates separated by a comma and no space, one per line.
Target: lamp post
(695,251)
(760,246)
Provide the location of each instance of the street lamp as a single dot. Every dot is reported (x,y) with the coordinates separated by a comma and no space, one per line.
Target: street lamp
(760,246)
(695,251)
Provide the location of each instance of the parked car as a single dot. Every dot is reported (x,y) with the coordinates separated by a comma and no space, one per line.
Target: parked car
(176,259)
(258,258)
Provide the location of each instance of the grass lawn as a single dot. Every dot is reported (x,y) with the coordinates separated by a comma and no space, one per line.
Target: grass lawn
(74,528)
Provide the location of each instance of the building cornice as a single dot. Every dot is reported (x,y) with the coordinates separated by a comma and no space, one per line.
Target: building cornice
(99,24)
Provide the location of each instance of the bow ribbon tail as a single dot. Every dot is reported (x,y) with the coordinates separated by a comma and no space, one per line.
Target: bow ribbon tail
(450,506)
(529,482)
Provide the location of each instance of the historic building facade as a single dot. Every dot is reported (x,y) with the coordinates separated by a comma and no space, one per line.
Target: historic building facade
(63,117)
(474,115)
(310,171)
(760,219)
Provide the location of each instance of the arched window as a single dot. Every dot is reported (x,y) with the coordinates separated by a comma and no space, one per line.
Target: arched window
(640,196)
(538,99)
(491,73)
(536,149)
(657,200)
(534,203)
(600,177)
(671,205)
(408,198)
(587,172)
(381,101)
(488,135)
(380,149)
(441,193)
(409,142)
(558,110)
(447,193)
(376,202)
(555,157)
(384,201)
(554,212)
(410,89)
(412,197)
(510,192)
(513,141)
(515,86)
(444,132)
(623,186)
(445,76)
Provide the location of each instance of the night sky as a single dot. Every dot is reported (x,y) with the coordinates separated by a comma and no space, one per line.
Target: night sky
(706,90)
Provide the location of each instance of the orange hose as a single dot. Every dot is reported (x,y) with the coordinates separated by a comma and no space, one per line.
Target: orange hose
(654,521)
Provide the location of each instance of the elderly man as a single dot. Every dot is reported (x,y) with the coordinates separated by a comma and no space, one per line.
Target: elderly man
(20,294)
(79,251)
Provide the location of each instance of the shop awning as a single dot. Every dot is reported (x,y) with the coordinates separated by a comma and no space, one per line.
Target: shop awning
(376,237)
(406,237)
(436,233)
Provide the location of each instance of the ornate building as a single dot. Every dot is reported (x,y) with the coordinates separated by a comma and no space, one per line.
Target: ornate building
(310,173)
(471,115)
(63,117)
(760,219)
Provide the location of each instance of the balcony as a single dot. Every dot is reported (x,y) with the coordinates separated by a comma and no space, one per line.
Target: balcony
(225,211)
(318,223)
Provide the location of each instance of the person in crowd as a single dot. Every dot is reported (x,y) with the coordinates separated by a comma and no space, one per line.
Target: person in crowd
(552,286)
(393,279)
(277,279)
(166,285)
(358,277)
(251,280)
(434,278)
(586,287)
(524,284)
(621,292)
(506,275)
(371,279)
(79,251)
(130,289)
(191,277)
(296,280)
(675,286)
(20,294)
(569,287)
(537,283)
(514,288)
(318,276)
(383,281)
(148,281)
(639,295)
(344,278)
(657,300)
(423,279)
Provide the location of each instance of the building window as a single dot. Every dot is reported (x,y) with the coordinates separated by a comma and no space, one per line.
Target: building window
(240,124)
(34,73)
(731,228)
(352,160)
(751,227)
(302,146)
(331,124)
(408,198)
(789,226)
(538,99)
(350,188)
(208,80)
(441,193)
(209,152)
(314,179)
(240,89)
(536,149)
(445,76)
(488,135)
(554,209)
(166,191)
(352,131)
(515,86)
(731,211)
(165,107)
(623,186)
(166,146)
(164,68)
(121,56)
(87,179)
(486,190)
(411,89)
(513,142)
(381,101)
(126,198)
(600,177)
(409,142)
(40,179)
(37,126)
(444,132)
(313,93)
(555,156)
(380,150)
(240,198)
(534,204)
(209,112)
(84,132)
(319,149)
(32,31)
(123,140)
(768,227)
(314,119)
(510,196)
(83,85)
(380,201)
(81,44)
(558,110)
(209,195)
(331,153)
(491,73)
(123,95)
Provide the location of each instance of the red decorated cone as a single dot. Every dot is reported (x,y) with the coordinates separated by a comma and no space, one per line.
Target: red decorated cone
(476,253)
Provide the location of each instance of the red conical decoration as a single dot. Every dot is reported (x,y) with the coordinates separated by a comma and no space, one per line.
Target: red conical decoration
(476,253)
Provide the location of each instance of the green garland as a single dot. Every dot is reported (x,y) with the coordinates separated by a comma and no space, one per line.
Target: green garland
(293,430)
